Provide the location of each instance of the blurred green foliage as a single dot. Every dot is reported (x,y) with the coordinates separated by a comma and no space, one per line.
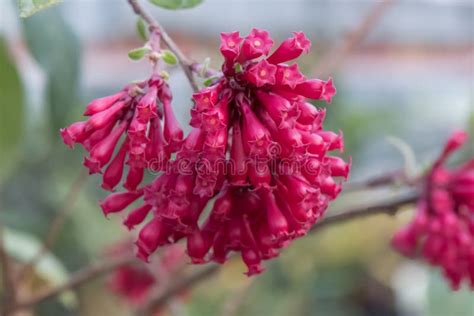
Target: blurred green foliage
(443,301)
(11,112)
(56,47)
(30,7)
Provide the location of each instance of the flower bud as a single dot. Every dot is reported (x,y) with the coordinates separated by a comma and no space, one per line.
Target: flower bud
(116,202)
(137,216)
(101,104)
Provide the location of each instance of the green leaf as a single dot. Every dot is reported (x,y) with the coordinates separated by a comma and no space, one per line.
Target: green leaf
(23,247)
(176,4)
(238,68)
(138,53)
(30,7)
(169,57)
(209,81)
(56,48)
(11,111)
(142,29)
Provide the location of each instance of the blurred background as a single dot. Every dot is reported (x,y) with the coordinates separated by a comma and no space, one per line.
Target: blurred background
(411,76)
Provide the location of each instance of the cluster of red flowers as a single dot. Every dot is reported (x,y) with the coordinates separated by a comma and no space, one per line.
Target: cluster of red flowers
(136,112)
(257,155)
(443,228)
(135,282)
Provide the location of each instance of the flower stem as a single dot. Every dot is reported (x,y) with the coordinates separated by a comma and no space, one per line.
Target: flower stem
(154,26)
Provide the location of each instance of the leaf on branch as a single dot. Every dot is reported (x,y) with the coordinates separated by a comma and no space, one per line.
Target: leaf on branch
(138,53)
(142,29)
(176,4)
(30,7)
(11,111)
(168,57)
(23,247)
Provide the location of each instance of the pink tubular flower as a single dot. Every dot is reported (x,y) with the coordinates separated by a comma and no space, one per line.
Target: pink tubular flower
(290,49)
(443,228)
(230,45)
(118,201)
(262,73)
(256,44)
(101,104)
(131,118)
(289,75)
(257,152)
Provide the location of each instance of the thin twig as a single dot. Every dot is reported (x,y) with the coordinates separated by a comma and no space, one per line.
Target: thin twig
(56,225)
(384,179)
(77,279)
(176,288)
(385,206)
(183,60)
(9,296)
(336,55)
(205,71)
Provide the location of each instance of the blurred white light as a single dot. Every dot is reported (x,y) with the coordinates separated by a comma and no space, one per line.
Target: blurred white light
(410,282)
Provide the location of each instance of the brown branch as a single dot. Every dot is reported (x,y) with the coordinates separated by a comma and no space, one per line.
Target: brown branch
(336,55)
(183,60)
(9,296)
(77,279)
(384,206)
(56,225)
(384,179)
(177,287)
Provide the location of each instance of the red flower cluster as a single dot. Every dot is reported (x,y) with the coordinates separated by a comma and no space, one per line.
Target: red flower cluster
(132,283)
(257,151)
(135,282)
(136,112)
(257,155)
(443,228)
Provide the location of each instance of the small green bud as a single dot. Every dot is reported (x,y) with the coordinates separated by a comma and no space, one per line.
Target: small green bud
(176,4)
(209,81)
(138,53)
(238,68)
(168,57)
(165,75)
(142,29)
